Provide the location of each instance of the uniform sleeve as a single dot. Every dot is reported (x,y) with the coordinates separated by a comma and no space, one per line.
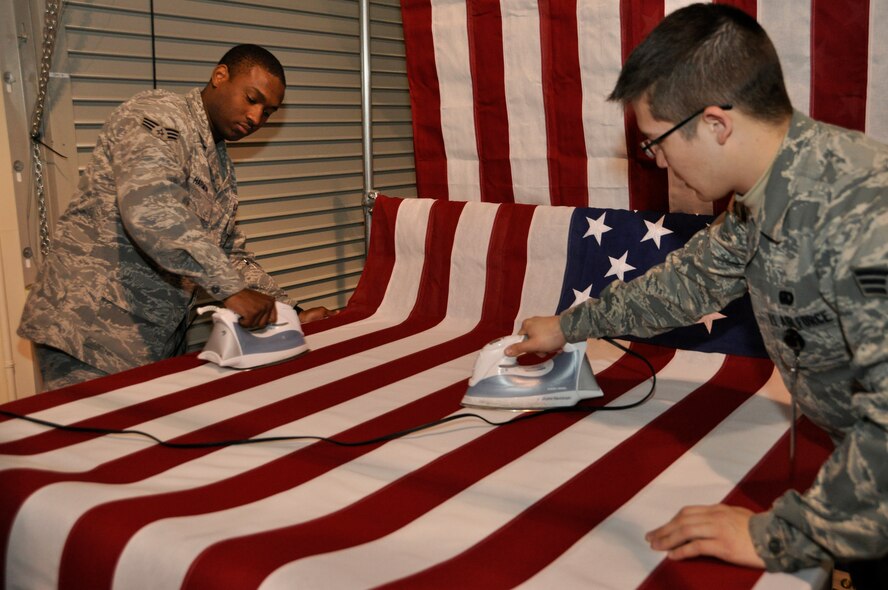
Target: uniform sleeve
(256,277)
(700,278)
(844,514)
(150,170)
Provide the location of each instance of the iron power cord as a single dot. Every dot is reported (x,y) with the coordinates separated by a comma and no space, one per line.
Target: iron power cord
(526,415)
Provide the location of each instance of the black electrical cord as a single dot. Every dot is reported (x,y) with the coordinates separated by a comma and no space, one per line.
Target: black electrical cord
(586,409)
(153,46)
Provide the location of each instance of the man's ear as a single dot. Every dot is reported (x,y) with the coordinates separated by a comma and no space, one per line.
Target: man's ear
(720,122)
(220,74)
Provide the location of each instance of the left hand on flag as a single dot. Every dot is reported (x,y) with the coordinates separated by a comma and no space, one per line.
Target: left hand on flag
(719,530)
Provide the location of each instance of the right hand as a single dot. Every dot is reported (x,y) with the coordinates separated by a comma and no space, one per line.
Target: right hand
(544,335)
(256,310)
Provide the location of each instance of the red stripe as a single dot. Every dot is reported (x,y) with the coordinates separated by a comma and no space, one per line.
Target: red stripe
(761,486)
(839,61)
(648,184)
(372,517)
(425,100)
(485,29)
(377,268)
(563,99)
(44,401)
(506,558)
(125,517)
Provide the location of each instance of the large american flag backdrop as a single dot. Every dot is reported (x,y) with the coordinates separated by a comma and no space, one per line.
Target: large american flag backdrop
(508,96)
(558,501)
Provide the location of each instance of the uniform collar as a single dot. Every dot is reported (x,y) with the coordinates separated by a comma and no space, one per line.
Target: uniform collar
(769,218)
(196,105)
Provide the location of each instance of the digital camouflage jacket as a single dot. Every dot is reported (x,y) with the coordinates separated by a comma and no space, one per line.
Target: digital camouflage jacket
(154,218)
(814,258)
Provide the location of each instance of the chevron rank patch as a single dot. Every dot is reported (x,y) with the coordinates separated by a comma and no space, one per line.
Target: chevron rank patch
(873,282)
(159,131)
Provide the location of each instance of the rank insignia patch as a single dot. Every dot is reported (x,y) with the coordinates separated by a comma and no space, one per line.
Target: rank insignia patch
(873,282)
(159,131)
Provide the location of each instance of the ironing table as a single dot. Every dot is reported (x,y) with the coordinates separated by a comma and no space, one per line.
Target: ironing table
(556,501)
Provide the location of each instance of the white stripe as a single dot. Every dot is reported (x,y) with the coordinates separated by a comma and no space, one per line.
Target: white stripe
(411,228)
(788,24)
(546,262)
(715,465)
(600,48)
(522,68)
(468,264)
(877,75)
(815,577)
(97,405)
(483,508)
(670,6)
(451,42)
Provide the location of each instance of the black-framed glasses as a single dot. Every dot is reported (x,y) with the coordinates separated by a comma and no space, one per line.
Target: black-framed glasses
(648,145)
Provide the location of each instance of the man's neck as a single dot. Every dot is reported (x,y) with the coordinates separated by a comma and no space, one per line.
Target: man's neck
(761,145)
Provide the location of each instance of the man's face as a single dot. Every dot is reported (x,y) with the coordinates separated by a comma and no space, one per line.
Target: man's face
(240,104)
(694,162)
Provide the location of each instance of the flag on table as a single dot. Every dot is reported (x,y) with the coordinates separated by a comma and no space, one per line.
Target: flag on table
(462,505)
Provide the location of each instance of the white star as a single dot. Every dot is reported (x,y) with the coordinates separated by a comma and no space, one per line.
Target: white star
(580,296)
(596,228)
(708,319)
(655,231)
(619,266)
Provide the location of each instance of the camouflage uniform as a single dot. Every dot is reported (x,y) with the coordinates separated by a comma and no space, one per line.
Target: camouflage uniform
(153,219)
(814,257)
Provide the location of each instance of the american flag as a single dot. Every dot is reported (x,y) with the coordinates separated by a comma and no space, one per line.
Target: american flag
(508,96)
(557,501)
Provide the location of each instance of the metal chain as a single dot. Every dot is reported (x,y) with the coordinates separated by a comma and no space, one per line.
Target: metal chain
(51,19)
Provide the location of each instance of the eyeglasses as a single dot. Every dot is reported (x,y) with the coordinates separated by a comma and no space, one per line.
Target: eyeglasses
(648,145)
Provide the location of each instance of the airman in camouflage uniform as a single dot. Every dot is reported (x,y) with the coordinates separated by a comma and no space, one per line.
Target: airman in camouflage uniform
(153,220)
(809,241)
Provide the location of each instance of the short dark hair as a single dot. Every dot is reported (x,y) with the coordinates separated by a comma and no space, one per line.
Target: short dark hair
(244,57)
(702,55)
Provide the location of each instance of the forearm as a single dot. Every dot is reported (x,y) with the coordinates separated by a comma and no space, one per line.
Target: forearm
(844,514)
(698,279)
(255,276)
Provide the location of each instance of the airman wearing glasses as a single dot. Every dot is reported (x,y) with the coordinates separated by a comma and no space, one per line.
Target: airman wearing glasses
(807,236)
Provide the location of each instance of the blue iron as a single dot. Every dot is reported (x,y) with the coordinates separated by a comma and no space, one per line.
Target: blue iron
(498,381)
(231,345)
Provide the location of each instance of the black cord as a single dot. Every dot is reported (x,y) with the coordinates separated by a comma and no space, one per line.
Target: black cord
(153,46)
(585,409)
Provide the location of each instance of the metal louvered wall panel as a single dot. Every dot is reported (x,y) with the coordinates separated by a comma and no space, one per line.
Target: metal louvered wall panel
(300,177)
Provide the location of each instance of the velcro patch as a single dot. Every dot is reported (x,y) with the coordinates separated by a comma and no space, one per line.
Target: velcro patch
(159,131)
(873,282)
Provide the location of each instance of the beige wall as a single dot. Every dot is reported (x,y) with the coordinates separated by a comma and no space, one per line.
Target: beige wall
(17,376)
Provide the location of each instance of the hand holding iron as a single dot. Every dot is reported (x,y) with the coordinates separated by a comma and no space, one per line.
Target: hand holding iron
(543,335)
(256,310)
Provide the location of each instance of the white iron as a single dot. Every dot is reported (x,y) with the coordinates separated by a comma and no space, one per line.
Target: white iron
(231,345)
(498,381)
